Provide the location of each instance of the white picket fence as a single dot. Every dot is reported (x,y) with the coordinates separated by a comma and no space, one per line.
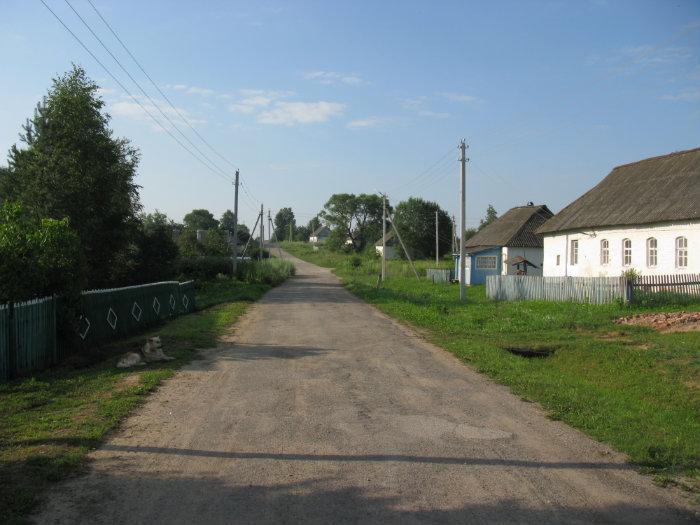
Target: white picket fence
(594,290)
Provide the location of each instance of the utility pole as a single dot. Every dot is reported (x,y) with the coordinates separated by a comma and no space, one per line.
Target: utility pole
(437,241)
(291,237)
(269,226)
(408,255)
(383,237)
(453,236)
(462,219)
(235,226)
(262,232)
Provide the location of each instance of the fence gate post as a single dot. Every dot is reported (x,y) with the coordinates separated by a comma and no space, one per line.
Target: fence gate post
(12,341)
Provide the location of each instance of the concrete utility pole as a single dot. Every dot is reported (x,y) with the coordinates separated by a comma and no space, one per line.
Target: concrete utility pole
(235,225)
(453,236)
(291,237)
(269,226)
(462,219)
(262,232)
(383,237)
(437,241)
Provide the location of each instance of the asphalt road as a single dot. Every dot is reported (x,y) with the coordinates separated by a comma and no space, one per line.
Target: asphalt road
(319,409)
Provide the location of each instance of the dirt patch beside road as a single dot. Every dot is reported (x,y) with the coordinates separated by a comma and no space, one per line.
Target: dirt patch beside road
(665,321)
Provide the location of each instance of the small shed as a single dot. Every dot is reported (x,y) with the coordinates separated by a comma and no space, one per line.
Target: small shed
(390,246)
(320,234)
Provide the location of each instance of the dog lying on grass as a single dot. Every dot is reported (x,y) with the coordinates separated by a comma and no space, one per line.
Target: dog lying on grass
(150,352)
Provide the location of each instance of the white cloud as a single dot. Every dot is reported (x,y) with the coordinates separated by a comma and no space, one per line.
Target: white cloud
(333,77)
(433,114)
(191,90)
(417,105)
(369,122)
(133,111)
(685,96)
(461,97)
(256,99)
(290,113)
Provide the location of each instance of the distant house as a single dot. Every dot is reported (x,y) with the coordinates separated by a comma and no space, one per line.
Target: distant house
(390,246)
(643,216)
(507,246)
(320,234)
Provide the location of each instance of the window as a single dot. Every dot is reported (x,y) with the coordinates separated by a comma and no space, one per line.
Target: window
(558,259)
(651,252)
(604,251)
(574,251)
(486,262)
(626,252)
(681,252)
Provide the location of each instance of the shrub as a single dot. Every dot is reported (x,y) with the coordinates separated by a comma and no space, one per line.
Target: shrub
(204,267)
(268,271)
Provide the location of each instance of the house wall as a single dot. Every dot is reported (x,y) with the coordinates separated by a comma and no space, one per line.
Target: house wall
(478,275)
(390,252)
(589,263)
(534,255)
(467,269)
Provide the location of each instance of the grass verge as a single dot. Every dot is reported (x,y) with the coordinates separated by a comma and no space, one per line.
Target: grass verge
(49,422)
(631,387)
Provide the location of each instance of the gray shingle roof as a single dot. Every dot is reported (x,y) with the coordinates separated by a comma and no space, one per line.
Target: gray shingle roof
(658,189)
(515,228)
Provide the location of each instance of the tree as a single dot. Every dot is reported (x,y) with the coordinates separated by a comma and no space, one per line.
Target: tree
(243,233)
(491,215)
(357,217)
(302,233)
(156,252)
(188,245)
(71,166)
(227,220)
(39,257)
(200,219)
(415,220)
(283,219)
(216,243)
(314,224)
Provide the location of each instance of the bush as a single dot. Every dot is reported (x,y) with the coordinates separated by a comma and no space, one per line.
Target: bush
(268,271)
(204,267)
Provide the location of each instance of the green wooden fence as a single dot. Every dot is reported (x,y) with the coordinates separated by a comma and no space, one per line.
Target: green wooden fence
(104,315)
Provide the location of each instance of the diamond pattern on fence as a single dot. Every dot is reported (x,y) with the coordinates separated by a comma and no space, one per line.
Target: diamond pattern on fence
(156,305)
(112,319)
(83,327)
(136,311)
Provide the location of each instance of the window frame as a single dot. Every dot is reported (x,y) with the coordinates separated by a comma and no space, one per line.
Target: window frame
(573,253)
(480,258)
(681,252)
(652,254)
(625,250)
(604,250)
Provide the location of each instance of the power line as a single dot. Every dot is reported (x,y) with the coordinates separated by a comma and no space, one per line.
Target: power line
(182,117)
(107,70)
(143,91)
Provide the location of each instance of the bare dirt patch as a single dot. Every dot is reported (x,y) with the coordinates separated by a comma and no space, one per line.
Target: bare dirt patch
(665,321)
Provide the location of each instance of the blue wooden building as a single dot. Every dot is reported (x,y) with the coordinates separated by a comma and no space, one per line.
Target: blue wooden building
(500,247)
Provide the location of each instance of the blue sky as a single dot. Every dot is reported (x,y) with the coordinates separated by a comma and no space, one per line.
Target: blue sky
(313,98)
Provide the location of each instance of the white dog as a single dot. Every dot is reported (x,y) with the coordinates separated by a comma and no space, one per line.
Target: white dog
(150,352)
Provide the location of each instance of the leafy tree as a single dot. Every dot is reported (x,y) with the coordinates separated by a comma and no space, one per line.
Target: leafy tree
(357,217)
(302,233)
(216,243)
(491,215)
(39,257)
(188,245)
(313,225)
(156,252)
(469,233)
(415,220)
(227,220)
(71,166)
(243,233)
(283,219)
(200,219)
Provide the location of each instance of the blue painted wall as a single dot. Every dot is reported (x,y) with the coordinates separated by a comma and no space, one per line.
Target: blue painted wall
(478,276)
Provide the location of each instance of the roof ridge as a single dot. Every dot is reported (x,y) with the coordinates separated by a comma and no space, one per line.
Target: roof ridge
(657,157)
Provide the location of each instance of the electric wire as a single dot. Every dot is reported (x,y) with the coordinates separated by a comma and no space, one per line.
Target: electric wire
(120,84)
(143,91)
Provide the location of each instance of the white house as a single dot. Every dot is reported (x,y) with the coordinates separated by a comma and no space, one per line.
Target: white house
(643,216)
(320,234)
(390,246)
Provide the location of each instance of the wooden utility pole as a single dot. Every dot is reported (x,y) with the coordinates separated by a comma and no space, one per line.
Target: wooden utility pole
(262,232)
(383,237)
(462,219)
(291,237)
(437,241)
(235,225)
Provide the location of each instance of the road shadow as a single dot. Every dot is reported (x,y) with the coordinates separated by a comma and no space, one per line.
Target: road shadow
(143,497)
(255,352)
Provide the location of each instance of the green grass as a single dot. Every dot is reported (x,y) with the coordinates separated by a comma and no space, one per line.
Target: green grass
(49,422)
(631,387)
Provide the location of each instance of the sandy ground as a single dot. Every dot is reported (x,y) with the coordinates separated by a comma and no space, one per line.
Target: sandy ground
(319,409)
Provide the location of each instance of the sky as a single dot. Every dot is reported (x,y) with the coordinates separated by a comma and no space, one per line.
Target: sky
(311,98)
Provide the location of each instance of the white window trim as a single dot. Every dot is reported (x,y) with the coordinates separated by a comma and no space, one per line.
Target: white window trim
(656,252)
(573,254)
(677,252)
(490,258)
(624,241)
(606,251)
